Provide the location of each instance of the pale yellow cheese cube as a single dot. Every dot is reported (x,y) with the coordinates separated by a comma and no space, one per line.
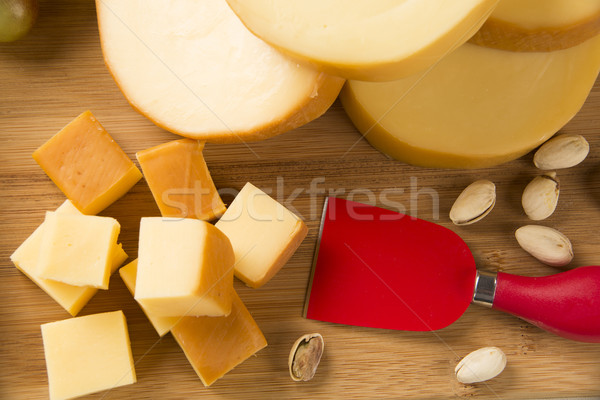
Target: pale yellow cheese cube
(264,235)
(87,354)
(162,324)
(71,298)
(76,249)
(185,268)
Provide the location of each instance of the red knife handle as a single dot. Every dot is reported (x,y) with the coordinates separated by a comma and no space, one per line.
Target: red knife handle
(567,304)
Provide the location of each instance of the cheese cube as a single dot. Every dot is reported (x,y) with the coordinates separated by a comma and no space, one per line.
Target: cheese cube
(77,249)
(215,345)
(161,324)
(85,163)
(87,354)
(180,181)
(71,298)
(185,267)
(263,233)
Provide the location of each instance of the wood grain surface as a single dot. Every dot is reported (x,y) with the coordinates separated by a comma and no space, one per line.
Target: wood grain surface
(57,72)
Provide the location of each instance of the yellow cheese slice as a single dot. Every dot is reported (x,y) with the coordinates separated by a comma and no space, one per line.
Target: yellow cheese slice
(215,345)
(185,268)
(77,249)
(364,39)
(87,354)
(84,161)
(264,235)
(180,181)
(162,324)
(478,107)
(71,298)
(540,25)
(198,72)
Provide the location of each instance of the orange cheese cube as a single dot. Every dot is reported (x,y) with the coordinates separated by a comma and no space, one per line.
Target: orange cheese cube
(180,181)
(87,165)
(162,324)
(215,345)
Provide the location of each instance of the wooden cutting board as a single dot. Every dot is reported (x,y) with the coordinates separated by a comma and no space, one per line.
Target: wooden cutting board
(57,72)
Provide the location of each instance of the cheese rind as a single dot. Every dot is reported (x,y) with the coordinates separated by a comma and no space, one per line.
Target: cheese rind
(162,324)
(85,163)
(180,181)
(362,39)
(478,107)
(263,233)
(185,268)
(77,249)
(198,72)
(87,354)
(215,345)
(71,298)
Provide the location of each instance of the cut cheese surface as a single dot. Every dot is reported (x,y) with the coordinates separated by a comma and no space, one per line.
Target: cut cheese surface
(263,233)
(215,345)
(540,25)
(71,298)
(363,39)
(84,161)
(198,72)
(77,249)
(87,354)
(185,268)
(180,181)
(162,324)
(478,107)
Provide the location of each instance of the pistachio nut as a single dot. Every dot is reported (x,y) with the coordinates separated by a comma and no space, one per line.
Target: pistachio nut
(474,203)
(480,365)
(546,244)
(305,356)
(540,196)
(562,151)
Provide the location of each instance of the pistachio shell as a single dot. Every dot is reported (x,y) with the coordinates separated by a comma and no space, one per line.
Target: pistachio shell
(562,151)
(474,203)
(305,356)
(480,365)
(546,244)
(540,197)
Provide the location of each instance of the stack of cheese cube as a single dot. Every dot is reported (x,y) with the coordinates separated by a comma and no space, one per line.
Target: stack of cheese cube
(183,277)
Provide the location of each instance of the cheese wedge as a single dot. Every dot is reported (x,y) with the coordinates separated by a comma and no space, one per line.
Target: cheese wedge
(87,165)
(87,354)
(71,298)
(540,25)
(478,107)
(185,268)
(180,181)
(162,324)
(264,235)
(363,39)
(198,72)
(215,345)
(77,249)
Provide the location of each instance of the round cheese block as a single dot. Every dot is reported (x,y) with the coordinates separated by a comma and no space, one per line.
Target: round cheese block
(478,107)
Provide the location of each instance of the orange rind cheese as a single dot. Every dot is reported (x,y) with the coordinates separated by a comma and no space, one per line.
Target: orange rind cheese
(71,298)
(185,268)
(215,345)
(180,181)
(264,235)
(86,163)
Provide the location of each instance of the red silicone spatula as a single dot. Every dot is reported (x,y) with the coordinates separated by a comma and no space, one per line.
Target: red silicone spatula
(378,268)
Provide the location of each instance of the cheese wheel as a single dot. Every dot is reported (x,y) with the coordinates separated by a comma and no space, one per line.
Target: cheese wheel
(194,69)
(478,107)
(540,25)
(365,40)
